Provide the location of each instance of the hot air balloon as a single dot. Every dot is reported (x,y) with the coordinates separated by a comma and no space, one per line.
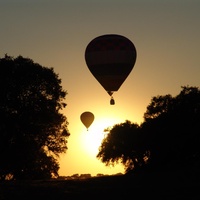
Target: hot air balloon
(87,118)
(110,58)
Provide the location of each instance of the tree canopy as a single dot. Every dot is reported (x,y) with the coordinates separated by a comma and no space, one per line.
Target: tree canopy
(122,144)
(168,138)
(33,129)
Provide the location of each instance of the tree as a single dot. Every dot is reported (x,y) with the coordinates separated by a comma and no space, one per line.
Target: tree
(123,144)
(171,127)
(168,138)
(33,130)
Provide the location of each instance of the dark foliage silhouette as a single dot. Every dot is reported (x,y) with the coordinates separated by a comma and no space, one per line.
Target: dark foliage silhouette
(167,139)
(171,129)
(123,144)
(32,129)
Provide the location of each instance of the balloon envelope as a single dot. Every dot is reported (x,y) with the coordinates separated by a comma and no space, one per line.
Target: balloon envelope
(110,58)
(87,118)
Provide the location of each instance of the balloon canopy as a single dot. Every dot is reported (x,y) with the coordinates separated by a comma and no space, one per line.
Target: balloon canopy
(87,118)
(110,58)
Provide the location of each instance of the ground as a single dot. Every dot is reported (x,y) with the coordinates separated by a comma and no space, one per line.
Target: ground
(159,185)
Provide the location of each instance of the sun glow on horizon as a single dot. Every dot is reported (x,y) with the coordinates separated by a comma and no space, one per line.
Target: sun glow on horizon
(92,138)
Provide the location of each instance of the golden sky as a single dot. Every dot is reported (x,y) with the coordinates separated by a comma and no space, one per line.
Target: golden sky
(56,33)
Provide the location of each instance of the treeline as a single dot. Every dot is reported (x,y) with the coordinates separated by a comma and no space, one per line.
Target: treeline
(34,131)
(168,139)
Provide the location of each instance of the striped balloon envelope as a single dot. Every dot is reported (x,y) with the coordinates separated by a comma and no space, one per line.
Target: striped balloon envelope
(110,58)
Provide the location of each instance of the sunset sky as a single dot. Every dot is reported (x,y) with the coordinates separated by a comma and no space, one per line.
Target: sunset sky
(55,33)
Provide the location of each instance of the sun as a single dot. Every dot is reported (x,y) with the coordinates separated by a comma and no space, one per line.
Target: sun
(93,137)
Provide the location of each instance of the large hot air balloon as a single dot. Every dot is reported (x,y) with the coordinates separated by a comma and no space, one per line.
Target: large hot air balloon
(110,58)
(87,118)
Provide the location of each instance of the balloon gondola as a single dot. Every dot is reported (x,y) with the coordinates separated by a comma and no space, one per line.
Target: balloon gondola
(110,58)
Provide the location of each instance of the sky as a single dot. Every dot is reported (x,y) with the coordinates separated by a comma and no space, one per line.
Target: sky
(56,33)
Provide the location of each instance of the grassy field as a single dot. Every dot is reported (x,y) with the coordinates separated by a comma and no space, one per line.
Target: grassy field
(160,186)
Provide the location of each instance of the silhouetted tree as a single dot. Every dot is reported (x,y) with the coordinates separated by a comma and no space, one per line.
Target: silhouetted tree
(33,131)
(123,144)
(172,127)
(168,138)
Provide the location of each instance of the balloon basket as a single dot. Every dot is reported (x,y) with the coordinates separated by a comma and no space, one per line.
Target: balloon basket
(112,101)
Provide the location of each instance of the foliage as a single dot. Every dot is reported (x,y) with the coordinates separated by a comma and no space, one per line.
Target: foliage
(123,144)
(171,129)
(168,138)
(33,130)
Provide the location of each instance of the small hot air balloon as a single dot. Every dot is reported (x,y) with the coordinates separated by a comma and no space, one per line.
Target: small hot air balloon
(110,58)
(87,118)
